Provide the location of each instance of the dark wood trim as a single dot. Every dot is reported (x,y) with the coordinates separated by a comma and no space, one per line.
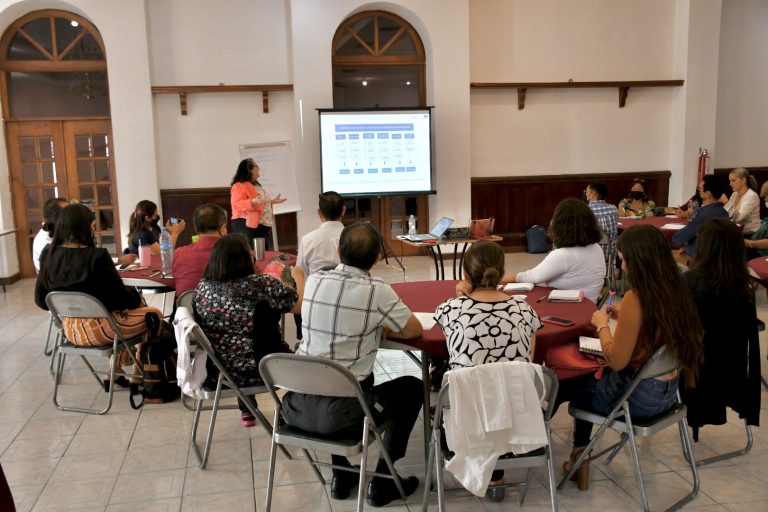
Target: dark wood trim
(181,203)
(519,202)
(623,87)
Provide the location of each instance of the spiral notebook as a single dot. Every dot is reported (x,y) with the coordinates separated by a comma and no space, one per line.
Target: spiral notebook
(590,345)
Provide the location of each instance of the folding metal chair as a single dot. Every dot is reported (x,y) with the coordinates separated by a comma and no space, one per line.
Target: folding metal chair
(323,377)
(184,300)
(620,419)
(81,305)
(547,391)
(225,388)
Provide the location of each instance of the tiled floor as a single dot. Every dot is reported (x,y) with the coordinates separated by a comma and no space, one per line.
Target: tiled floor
(140,460)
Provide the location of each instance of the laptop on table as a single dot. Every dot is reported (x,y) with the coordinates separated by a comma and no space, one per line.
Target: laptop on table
(436,233)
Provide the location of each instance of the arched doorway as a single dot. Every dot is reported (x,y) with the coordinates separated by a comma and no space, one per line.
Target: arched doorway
(378,60)
(55,101)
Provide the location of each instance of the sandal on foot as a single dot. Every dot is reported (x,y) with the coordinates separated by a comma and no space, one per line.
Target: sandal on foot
(248,419)
(581,475)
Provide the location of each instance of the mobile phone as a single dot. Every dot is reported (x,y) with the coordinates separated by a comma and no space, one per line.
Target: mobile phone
(556,320)
(173,220)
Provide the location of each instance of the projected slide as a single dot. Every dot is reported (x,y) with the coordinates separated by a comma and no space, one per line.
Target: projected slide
(376,152)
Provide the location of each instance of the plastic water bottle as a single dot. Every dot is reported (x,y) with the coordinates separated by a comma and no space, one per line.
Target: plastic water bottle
(411,225)
(166,252)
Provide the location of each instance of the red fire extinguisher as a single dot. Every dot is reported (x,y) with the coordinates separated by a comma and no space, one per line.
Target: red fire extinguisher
(703,164)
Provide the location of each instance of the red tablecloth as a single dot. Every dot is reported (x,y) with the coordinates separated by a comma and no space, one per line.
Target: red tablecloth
(287,259)
(424,296)
(655,221)
(760,266)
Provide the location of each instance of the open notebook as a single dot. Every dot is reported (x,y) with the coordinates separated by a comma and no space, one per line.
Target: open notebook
(590,345)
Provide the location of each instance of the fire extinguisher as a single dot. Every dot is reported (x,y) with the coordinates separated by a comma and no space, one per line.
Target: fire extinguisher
(703,164)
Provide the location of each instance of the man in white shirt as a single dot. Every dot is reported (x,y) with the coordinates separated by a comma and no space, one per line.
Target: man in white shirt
(346,312)
(319,249)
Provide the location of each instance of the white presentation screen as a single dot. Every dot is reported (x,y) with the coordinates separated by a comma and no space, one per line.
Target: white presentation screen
(376,152)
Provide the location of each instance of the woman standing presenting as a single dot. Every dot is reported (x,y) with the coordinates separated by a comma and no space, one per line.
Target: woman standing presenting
(251,206)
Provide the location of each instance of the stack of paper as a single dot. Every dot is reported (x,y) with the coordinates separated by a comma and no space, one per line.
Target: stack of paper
(518,287)
(565,296)
(673,226)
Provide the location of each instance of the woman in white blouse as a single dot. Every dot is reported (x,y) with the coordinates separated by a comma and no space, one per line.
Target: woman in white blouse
(744,204)
(577,263)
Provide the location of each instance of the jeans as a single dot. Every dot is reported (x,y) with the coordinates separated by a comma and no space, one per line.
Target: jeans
(651,397)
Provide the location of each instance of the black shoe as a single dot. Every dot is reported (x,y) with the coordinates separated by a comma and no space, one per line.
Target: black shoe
(342,483)
(120,381)
(383,490)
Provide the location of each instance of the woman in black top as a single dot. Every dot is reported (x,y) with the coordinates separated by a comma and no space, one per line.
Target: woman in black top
(72,263)
(144,225)
(730,373)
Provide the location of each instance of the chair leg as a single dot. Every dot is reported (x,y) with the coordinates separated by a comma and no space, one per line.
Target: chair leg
(363,465)
(265,425)
(318,474)
(46,350)
(617,448)
(526,484)
(54,351)
(433,445)
(390,465)
(730,455)
(688,450)
(584,454)
(212,424)
(551,475)
(636,459)
(439,475)
(271,474)
(195,422)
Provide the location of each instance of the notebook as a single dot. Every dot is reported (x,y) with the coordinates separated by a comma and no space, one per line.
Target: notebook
(590,346)
(518,287)
(565,296)
(435,233)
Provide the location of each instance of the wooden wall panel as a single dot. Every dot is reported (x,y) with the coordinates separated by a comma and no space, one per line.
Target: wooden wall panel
(182,203)
(519,202)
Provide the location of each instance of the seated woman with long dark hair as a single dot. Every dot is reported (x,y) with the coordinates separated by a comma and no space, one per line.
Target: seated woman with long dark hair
(72,263)
(240,310)
(657,310)
(144,225)
(730,375)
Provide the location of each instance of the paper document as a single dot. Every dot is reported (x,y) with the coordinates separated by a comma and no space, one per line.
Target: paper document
(426,319)
(673,226)
(518,287)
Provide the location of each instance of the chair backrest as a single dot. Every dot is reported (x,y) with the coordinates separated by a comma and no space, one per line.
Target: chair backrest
(75,305)
(185,300)
(660,363)
(546,388)
(310,375)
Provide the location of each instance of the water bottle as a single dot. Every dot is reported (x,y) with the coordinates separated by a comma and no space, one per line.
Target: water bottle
(411,225)
(166,252)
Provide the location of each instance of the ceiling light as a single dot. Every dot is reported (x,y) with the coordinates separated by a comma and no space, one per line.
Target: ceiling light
(365,82)
(408,82)
(74,23)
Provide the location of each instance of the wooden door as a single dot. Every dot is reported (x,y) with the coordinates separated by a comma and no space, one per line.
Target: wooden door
(91,176)
(70,159)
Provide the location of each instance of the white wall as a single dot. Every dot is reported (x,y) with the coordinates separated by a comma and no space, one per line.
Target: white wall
(570,130)
(238,42)
(742,107)
(445,34)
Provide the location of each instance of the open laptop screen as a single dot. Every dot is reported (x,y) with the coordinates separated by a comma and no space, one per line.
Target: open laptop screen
(441,227)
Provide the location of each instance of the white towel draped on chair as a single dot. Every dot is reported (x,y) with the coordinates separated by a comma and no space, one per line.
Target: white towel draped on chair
(495,409)
(190,371)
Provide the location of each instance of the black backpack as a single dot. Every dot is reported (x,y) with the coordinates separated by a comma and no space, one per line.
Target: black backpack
(158,356)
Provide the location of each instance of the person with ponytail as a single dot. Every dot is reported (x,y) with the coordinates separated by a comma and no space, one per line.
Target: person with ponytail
(144,226)
(743,206)
(479,321)
(485,325)
(637,204)
(51,210)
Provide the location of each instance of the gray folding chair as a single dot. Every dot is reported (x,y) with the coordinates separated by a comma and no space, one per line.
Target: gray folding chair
(323,377)
(225,388)
(620,419)
(547,391)
(81,305)
(185,300)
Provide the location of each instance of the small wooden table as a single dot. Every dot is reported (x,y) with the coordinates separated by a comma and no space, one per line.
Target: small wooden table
(437,254)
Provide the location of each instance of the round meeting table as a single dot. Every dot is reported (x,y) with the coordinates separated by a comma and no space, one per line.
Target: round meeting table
(659,222)
(425,296)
